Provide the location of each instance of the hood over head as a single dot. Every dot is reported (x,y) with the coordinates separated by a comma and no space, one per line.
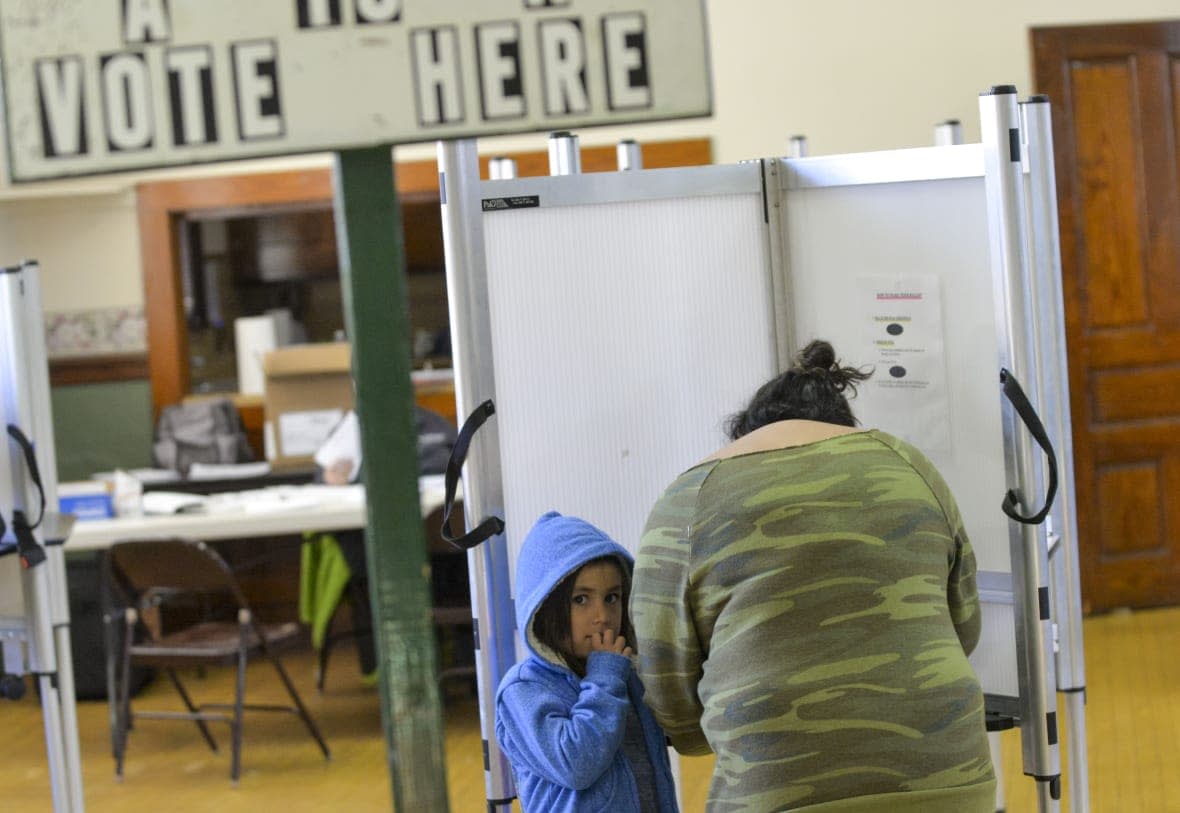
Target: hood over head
(557,546)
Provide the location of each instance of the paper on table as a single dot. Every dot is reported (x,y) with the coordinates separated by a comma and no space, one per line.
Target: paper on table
(145,476)
(171,502)
(228,471)
(272,501)
(344,443)
(275,499)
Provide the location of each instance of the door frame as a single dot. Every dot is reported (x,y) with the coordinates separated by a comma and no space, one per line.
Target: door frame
(1053,49)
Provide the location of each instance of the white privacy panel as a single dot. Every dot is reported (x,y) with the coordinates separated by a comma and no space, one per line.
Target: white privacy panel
(622,336)
(897,275)
(12,603)
(994,658)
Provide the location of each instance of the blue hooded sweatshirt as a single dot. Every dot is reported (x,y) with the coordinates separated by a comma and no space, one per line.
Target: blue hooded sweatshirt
(564,734)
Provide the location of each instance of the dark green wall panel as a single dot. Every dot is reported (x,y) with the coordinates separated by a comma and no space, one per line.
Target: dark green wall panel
(99,427)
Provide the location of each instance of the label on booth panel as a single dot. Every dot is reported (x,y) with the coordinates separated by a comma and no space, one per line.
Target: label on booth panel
(512,202)
(102,87)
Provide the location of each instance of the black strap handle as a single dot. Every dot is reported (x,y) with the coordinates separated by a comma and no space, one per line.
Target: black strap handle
(1014,393)
(31,461)
(488,526)
(31,553)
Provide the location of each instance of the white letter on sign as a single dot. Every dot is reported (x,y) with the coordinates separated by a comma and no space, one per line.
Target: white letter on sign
(624,43)
(500,91)
(317,13)
(59,98)
(378,11)
(256,81)
(563,67)
(145,21)
(438,91)
(126,93)
(190,91)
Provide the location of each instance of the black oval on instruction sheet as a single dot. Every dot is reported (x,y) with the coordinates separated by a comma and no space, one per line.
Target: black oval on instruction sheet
(894,329)
(897,371)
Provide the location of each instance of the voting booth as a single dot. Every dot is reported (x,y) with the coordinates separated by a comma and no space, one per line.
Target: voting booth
(616,320)
(34,606)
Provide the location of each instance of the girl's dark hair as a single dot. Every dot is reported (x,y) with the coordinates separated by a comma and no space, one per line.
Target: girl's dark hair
(813,389)
(551,623)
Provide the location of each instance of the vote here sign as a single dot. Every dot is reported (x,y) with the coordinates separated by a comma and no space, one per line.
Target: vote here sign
(92,87)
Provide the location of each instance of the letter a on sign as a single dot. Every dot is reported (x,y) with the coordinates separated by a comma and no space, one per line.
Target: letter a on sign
(145,21)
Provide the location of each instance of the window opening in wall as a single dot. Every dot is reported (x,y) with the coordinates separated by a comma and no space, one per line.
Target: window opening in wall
(254,262)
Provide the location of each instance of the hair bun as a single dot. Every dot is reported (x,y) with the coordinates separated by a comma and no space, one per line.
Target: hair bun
(819,359)
(818,355)
(813,388)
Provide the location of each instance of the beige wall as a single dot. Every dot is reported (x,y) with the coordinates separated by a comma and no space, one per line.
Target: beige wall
(88,247)
(852,75)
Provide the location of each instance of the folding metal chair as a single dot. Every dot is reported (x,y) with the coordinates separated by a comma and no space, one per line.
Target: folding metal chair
(183,583)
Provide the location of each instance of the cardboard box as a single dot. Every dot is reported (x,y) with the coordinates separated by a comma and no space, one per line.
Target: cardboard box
(308,389)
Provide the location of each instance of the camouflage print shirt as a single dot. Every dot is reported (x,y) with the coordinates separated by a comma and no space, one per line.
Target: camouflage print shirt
(806,613)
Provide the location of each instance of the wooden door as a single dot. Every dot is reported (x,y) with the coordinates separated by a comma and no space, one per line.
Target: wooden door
(1115,94)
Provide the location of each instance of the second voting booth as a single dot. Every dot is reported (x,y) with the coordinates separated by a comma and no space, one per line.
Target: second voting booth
(34,607)
(616,319)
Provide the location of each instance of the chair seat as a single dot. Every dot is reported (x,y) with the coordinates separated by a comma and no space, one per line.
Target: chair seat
(209,639)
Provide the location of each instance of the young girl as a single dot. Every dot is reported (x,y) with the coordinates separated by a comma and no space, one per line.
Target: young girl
(570,717)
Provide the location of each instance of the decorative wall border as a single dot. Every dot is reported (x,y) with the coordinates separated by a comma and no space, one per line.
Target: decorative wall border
(96,346)
(105,331)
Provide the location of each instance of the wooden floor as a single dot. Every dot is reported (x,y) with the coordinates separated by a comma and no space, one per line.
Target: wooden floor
(1133,733)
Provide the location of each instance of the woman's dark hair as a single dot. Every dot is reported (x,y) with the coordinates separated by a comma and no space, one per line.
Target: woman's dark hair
(812,389)
(551,623)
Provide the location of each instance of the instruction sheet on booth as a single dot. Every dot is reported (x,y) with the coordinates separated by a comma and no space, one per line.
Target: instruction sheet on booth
(902,337)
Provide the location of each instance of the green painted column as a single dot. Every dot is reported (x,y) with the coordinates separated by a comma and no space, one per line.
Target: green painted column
(372,272)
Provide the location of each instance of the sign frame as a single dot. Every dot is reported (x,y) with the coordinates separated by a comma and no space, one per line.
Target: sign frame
(94,88)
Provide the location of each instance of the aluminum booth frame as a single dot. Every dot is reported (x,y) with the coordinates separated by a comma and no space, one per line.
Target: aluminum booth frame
(549,257)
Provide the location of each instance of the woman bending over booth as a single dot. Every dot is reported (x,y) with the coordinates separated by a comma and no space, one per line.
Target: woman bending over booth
(804,602)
